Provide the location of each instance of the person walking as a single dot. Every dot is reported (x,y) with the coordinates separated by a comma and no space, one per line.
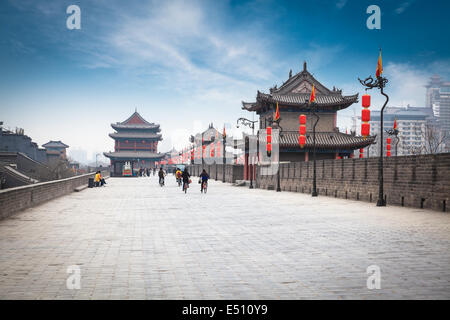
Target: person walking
(161,176)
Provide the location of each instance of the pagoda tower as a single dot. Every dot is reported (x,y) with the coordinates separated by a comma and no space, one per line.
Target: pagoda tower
(135,141)
(292,98)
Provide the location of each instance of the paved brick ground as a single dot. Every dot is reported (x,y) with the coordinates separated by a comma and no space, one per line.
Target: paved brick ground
(135,240)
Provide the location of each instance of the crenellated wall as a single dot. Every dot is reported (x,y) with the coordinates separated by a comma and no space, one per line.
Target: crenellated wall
(215,171)
(421,181)
(414,181)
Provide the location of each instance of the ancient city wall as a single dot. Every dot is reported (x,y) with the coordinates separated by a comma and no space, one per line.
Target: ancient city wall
(16,199)
(413,181)
(215,171)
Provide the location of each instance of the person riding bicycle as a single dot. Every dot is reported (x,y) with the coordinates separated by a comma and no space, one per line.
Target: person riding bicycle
(186,177)
(204,176)
(178,174)
(161,175)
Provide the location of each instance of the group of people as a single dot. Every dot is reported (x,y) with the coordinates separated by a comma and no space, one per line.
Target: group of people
(184,178)
(146,172)
(99,181)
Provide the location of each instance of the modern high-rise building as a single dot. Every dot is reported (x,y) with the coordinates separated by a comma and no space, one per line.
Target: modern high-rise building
(418,129)
(438,99)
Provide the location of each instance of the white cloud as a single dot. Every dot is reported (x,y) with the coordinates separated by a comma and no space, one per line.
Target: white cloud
(341,3)
(403,7)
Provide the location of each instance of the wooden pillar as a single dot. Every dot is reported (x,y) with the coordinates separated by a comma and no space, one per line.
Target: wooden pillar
(306,156)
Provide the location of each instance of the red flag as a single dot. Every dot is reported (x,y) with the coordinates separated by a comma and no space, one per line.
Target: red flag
(224,134)
(313,95)
(395,124)
(277,114)
(379,66)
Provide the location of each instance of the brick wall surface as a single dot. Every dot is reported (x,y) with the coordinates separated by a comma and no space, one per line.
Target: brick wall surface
(16,199)
(414,181)
(215,171)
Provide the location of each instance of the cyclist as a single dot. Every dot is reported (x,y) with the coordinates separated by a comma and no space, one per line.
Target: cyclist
(161,175)
(204,176)
(178,174)
(186,179)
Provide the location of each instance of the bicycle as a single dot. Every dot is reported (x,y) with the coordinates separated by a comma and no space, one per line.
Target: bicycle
(204,187)
(185,186)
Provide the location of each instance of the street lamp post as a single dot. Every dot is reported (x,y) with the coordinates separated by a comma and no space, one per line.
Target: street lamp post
(224,155)
(251,124)
(277,122)
(379,83)
(313,106)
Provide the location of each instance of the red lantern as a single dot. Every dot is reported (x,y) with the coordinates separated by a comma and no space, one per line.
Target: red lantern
(302,119)
(366,101)
(269,131)
(269,139)
(388,140)
(388,147)
(212,150)
(365,115)
(302,141)
(361,152)
(269,148)
(388,153)
(365,129)
(302,130)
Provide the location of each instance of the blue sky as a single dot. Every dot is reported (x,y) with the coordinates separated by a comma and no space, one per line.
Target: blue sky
(184,64)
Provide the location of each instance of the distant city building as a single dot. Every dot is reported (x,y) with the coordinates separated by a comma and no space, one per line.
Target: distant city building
(135,141)
(55,150)
(414,125)
(17,141)
(78,155)
(438,99)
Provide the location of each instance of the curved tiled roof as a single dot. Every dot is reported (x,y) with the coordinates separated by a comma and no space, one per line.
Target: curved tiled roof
(133,155)
(296,92)
(135,135)
(334,99)
(55,144)
(134,126)
(325,140)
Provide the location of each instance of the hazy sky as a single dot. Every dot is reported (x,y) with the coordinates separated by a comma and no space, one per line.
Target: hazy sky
(182,63)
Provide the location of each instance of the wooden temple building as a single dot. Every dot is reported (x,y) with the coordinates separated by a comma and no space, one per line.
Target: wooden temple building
(292,98)
(135,142)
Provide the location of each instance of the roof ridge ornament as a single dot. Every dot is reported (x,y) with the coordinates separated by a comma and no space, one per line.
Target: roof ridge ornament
(304,65)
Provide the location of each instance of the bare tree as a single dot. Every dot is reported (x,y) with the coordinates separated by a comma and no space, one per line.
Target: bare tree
(432,139)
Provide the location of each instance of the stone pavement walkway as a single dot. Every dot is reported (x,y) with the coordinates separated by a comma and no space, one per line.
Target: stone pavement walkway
(136,240)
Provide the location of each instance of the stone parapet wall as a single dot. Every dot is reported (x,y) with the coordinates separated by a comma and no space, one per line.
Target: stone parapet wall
(215,171)
(13,200)
(414,181)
